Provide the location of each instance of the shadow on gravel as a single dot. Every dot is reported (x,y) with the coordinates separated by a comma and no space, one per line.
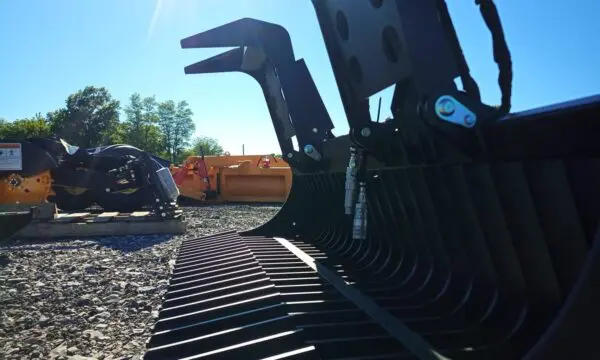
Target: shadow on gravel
(129,243)
(197,204)
(4,260)
(132,243)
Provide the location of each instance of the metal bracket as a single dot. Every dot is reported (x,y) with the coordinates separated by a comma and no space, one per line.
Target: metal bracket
(410,44)
(449,109)
(265,53)
(376,44)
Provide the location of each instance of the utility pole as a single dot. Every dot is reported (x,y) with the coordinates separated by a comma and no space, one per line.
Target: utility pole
(243,150)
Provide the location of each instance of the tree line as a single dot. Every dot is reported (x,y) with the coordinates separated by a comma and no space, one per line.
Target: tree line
(92,117)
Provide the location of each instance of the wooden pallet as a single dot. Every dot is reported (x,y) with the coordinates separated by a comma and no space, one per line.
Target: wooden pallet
(87,224)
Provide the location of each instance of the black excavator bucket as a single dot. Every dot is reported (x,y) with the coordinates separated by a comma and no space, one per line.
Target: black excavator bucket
(454,230)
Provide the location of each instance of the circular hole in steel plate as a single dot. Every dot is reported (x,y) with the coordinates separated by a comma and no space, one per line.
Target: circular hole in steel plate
(341,24)
(376,3)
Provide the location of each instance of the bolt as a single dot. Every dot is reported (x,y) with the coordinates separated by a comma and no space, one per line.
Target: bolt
(446,107)
(163,215)
(309,149)
(157,200)
(290,155)
(315,130)
(107,190)
(365,132)
(469,120)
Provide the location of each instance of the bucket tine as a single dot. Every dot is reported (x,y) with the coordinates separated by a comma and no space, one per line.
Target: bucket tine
(226,62)
(265,53)
(235,33)
(273,39)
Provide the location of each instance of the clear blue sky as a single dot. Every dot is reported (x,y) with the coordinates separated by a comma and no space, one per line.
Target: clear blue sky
(51,48)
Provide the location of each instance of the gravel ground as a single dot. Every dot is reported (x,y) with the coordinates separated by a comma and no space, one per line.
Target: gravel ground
(96,298)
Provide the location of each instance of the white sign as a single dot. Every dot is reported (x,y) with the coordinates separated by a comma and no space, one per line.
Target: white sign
(11,157)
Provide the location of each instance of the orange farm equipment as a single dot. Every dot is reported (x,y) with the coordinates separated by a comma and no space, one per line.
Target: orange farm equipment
(233,178)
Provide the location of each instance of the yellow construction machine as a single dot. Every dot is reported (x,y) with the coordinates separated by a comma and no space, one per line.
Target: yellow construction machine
(233,178)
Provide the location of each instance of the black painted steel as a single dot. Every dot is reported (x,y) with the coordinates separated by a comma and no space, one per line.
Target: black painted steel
(98,175)
(245,297)
(481,236)
(265,52)
(485,259)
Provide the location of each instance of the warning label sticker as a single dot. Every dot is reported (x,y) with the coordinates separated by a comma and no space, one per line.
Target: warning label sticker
(10,157)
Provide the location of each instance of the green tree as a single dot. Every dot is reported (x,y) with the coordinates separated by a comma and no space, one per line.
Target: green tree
(177,126)
(134,120)
(141,124)
(152,134)
(166,122)
(200,145)
(90,117)
(206,145)
(183,155)
(4,126)
(118,136)
(36,126)
(183,129)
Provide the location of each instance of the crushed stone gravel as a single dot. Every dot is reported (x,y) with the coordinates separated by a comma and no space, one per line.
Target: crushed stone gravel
(86,299)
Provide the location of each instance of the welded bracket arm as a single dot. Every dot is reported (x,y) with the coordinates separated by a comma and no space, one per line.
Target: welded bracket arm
(265,53)
(410,44)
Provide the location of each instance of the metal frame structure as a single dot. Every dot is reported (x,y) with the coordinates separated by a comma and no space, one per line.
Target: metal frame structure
(463,231)
(265,53)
